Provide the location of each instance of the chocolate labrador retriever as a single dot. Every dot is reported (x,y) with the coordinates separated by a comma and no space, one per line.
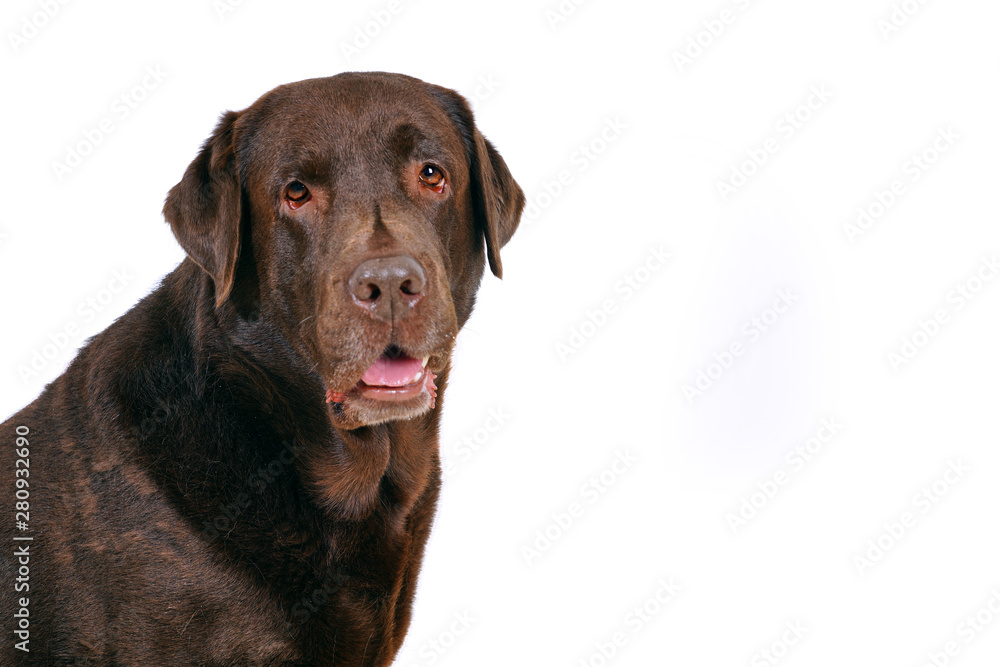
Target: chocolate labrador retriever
(243,469)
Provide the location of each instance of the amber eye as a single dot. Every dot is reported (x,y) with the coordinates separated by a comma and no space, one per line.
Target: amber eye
(296,194)
(432,177)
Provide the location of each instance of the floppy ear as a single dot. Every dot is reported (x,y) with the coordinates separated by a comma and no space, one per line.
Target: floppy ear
(204,209)
(499,199)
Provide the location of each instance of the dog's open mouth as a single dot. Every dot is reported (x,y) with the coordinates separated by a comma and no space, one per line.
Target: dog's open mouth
(394,377)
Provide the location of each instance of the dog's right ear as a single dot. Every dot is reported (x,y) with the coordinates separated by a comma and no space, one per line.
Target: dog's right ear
(204,209)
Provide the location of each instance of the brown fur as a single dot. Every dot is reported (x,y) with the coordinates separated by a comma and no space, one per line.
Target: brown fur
(194,499)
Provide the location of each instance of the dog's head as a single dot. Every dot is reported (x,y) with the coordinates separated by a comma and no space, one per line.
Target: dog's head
(351,212)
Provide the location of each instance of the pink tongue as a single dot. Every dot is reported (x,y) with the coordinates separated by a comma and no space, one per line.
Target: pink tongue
(388,372)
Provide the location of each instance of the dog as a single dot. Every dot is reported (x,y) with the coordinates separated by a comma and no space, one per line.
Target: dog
(243,469)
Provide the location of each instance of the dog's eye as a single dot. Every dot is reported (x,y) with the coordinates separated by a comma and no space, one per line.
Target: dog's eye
(432,177)
(296,194)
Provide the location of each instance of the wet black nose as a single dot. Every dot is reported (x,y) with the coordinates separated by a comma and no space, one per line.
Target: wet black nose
(389,287)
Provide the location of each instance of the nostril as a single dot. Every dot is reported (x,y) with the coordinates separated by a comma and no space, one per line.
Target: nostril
(414,281)
(365,291)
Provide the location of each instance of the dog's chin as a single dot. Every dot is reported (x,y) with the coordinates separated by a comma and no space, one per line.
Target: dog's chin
(359,410)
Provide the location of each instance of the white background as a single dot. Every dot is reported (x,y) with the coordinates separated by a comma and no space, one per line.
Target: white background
(673,131)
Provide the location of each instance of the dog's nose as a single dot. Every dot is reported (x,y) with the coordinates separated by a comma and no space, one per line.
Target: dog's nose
(389,287)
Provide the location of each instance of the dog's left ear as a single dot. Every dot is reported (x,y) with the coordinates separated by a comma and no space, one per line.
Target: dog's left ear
(496,197)
(499,199)
(204,209)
